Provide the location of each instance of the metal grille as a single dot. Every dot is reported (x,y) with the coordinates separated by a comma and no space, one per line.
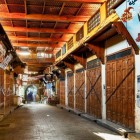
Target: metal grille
(58,54)
(119,55)
(94,21)
(69,74)
(93,63)
(64,49)
(70,43)
(111,4)
(62,78)
(80,70)
(80,34)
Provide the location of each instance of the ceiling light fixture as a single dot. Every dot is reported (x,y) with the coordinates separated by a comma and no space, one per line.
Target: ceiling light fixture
(23,52)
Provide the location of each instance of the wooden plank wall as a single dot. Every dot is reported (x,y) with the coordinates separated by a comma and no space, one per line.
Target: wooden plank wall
(94,96)
(120,106)
(62,92)
(70,86)
(80,90)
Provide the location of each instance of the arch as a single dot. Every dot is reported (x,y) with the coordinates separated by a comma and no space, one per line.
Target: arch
(31,93)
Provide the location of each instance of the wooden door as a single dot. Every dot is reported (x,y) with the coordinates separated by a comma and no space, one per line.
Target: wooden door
(58,89)
(93,85)
(80,90)
(70,87)
(62,92)
(120,99)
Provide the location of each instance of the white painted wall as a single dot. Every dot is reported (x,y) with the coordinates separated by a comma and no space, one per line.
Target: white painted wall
(74,93)
(137,107)
(115,44)
(66,89)
(66,86)
(78,66)
(91,58)
(85,91)
(103,92)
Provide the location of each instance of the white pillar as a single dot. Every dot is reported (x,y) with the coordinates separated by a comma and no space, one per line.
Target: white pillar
(66,89)
(85,91)
(137,93)
(74,91)
(103,91)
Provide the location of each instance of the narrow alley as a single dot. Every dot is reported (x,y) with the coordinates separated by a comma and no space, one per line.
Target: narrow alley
(44,122)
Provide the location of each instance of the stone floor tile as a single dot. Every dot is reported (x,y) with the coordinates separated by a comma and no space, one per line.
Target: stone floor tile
(44,122)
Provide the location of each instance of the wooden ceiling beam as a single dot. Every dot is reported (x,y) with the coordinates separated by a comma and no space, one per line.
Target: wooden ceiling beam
(36,45)
(37,65)
(22,38)
(83,1)
(39,61)
(30,68)
(41,30)
(41,17)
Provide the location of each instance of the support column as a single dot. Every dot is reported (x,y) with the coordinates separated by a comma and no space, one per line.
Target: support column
(66,89)
(4,92)
(137,94)
(85,91)
(103,91)
(74,91)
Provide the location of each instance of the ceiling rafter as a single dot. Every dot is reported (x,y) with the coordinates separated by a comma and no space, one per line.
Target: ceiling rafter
(83,1)
(79,9)
(22,38)
(37,45)
(45,17)
(37,64)
(26,12)
(44,60)
(41,30)
(44,26)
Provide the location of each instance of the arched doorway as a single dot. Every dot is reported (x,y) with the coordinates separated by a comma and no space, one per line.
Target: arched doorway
(31,93)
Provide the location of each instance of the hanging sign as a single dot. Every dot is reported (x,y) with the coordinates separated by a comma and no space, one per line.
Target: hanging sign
(6,61)
(129,13)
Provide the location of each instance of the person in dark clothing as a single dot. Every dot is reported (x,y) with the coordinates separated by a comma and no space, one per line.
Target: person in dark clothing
(30,96)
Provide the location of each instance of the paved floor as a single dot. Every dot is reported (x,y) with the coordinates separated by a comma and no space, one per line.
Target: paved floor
(44,122)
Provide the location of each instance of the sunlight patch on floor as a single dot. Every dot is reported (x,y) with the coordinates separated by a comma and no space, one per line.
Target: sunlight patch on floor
(106,136)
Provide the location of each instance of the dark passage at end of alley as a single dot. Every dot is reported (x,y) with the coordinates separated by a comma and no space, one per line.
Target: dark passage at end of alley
(44,122)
